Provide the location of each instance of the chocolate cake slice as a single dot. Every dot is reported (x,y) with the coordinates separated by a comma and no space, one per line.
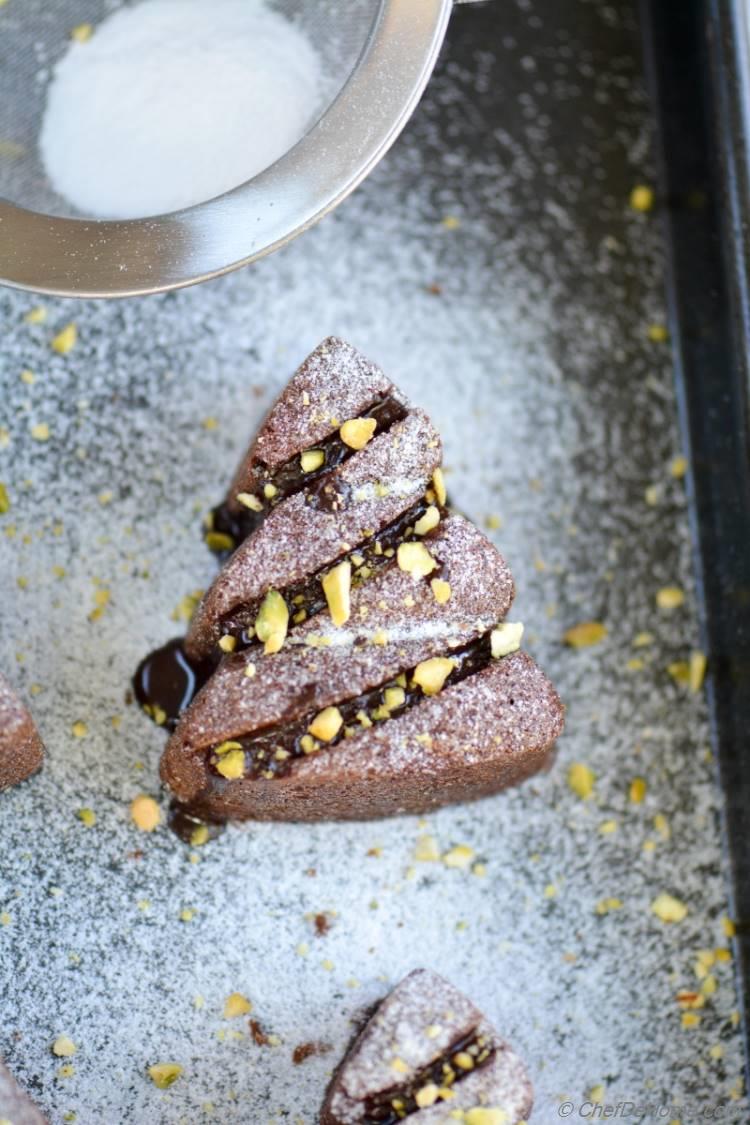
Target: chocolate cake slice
(15,1106)
(21,748)
(428,1055)
(341,467)
(405,693)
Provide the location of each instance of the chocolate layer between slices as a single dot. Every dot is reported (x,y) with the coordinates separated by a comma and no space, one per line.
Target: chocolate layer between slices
(428,1055)
(21,748)
(316,527)
(15,1106)
(402,708)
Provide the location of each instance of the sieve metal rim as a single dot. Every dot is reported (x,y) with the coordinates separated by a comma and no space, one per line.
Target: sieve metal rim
(86,258)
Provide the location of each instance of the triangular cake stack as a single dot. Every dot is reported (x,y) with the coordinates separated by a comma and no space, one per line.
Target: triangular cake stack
(363,663)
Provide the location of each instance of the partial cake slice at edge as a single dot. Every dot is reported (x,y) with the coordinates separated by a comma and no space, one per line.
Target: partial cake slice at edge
(15,1105)
(21,748)
(428,1055)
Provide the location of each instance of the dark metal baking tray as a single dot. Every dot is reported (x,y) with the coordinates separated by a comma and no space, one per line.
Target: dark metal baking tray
(699,62)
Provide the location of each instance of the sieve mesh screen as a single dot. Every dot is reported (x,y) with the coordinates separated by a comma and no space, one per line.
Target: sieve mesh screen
(35,34)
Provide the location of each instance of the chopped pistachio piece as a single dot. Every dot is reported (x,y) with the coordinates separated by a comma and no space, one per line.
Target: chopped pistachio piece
(232,764)
(236,1005)
(667,908)
(65,340)
(227,643)
(63,1047)
(586,634)
(326,724)
(337,587)
(441,590)
(357,432)
(145,813)
(581,780)
(431,674)
(394,697)
(219,541)
(272,621)
(670,597)
(506,638)
(415,559)
(438,483)
(164,1075)
(428,521)
(311,460)
(247,500)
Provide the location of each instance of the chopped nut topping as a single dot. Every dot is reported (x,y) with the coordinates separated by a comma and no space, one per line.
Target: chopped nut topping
(199,836)
(637,790)
(4,500)
(145,813)
(441,590)
(415,559)
(585,634)
(428,521)
(357,432)
(219,541)
(326,724)
(65,340)
(426,850)
(459,857)
(427,1096)
(40,432)
(63,1047)
(697,670)
(667,908)
(399,1066)
(87,817)
(249,501)
(657,333)
(678,467)
(394,697)
(670,597)
(506,638)
(227,643)
(231,765)
(236,1005)
(82,33)
(337,588)
(438,483)
(164,1075)
(581,780)
(79,729)
(269,490)
(311,460)
(37,315)
(272,621)
(642,198)
(431,674)
(250,670)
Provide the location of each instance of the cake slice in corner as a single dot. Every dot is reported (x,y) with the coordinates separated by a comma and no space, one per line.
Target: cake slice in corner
(428,1056)
(21,748)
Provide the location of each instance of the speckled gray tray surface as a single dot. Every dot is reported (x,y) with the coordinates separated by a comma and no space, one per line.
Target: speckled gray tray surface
(522,325)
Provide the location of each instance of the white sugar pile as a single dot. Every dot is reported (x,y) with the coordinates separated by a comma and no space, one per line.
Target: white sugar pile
(172,102)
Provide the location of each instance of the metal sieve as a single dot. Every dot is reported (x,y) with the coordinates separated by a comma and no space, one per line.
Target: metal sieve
(378,55)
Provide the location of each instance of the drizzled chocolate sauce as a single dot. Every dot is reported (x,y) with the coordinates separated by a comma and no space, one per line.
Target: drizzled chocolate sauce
(286,741)
(239,522)
(388,1107)
(166,682)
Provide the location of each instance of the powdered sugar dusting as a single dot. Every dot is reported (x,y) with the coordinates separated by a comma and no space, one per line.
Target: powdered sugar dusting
(557,413)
